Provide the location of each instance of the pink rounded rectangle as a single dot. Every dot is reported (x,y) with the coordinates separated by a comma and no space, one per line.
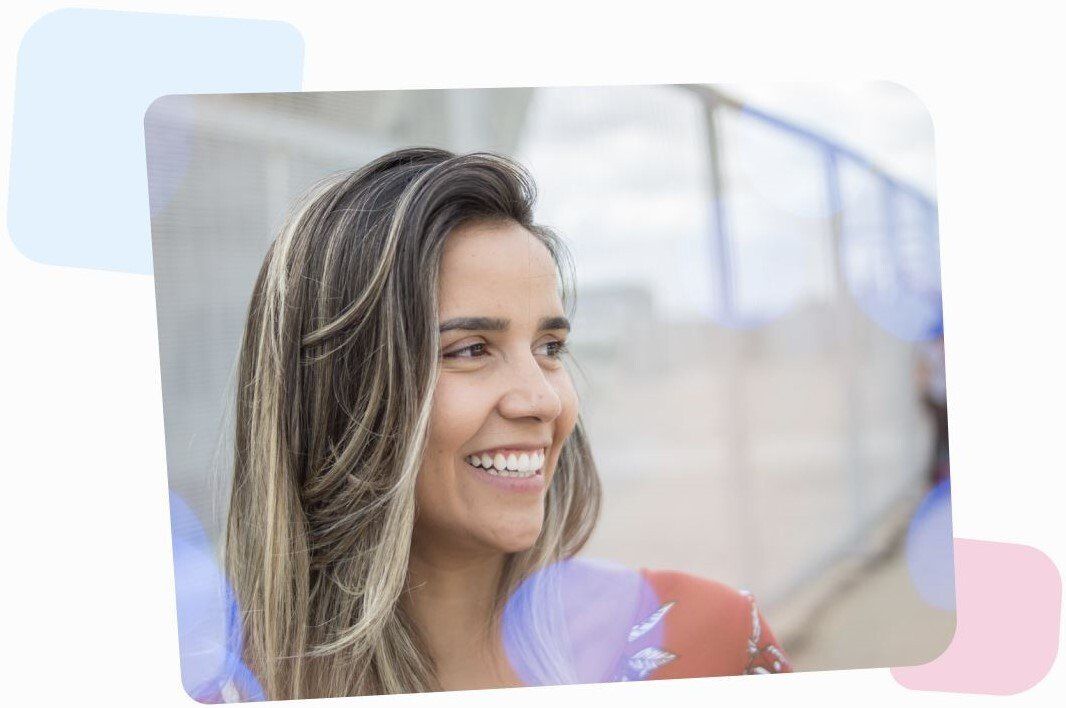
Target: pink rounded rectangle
(1008,601)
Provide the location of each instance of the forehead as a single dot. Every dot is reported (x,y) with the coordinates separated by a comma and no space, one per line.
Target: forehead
(495,266)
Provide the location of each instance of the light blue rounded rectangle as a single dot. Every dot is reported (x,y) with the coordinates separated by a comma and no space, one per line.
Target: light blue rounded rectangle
(78,186)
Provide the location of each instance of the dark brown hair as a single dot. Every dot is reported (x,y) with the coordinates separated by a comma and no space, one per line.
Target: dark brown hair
(337,369)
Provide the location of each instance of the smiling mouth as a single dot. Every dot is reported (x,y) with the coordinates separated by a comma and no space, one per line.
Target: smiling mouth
(514,464)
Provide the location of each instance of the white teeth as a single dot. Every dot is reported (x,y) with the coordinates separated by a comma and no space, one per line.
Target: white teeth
(513,465)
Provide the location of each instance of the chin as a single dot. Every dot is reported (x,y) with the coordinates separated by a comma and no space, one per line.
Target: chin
(518,540)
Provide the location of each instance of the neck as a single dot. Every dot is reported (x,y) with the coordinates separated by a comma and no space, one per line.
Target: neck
(452,598)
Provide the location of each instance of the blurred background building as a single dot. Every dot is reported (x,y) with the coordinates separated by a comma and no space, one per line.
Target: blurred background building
(755,267)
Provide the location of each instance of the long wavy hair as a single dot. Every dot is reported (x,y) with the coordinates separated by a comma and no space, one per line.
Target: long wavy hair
(336,374)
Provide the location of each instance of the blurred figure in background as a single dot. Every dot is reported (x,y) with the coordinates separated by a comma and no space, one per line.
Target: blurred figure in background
(932,386)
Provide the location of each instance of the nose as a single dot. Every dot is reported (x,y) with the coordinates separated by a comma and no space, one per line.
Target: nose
(529,393)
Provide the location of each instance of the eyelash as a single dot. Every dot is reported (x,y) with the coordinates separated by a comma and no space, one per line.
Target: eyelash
(560,349)
(455,354)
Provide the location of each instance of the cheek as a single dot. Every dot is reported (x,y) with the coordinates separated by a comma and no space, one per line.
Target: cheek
(564,424)
(458,413)
(454,421)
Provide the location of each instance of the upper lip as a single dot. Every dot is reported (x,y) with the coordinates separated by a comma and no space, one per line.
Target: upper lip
(515,446)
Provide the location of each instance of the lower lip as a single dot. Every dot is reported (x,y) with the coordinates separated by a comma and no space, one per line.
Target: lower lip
(532,483)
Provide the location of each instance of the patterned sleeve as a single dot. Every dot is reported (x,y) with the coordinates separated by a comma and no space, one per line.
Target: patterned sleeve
(691,627)
(764,653)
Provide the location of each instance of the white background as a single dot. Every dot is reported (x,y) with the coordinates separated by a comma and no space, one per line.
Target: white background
(87,593)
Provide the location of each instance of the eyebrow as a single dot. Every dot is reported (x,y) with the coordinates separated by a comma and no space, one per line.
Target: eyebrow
(498,324)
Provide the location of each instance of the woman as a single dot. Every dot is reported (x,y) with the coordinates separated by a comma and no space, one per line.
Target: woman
(411,473)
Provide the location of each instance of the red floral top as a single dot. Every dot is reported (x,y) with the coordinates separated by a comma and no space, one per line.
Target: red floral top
(705,628)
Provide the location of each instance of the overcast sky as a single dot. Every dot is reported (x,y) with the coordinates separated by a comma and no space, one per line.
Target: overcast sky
(883,120)
(624,174)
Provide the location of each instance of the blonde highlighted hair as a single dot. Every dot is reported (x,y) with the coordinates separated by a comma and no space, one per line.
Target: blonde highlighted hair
(336,375)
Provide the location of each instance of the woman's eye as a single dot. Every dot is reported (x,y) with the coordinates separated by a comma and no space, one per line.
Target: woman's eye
(555,348)
(472,351)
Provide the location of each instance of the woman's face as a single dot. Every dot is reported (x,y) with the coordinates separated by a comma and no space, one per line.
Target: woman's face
(503,400)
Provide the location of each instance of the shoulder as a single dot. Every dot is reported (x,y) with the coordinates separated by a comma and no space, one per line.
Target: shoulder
(627,624)
(701,597)
(710,628)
